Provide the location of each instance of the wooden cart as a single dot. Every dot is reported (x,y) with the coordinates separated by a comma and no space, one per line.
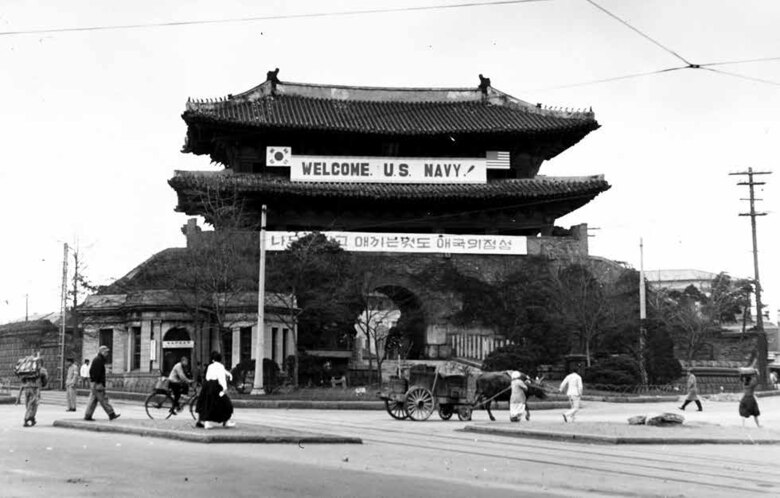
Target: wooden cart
(427,390)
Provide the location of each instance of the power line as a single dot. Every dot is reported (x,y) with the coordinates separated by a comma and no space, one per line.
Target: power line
(741,61)
(170,24)
(613,78)
(742,76)
(640,33)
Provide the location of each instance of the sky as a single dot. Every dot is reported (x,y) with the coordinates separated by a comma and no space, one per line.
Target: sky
(91,126)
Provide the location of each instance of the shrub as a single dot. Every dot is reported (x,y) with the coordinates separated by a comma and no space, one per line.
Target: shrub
(512,357)
(309,370)
(613,371)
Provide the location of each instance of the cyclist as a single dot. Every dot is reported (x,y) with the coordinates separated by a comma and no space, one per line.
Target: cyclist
(179,382)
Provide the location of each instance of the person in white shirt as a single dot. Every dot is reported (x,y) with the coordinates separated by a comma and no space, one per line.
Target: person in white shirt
(214,405)
(573,386)
(84,373)
(517,399)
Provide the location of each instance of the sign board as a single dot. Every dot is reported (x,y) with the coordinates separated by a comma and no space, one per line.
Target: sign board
(178,344)
(410,242)
(359,169)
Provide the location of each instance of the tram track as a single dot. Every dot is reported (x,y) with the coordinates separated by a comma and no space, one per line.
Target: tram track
(569,457)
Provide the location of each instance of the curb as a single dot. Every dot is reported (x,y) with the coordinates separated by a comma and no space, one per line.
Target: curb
(300,404)
(201,436)
(605,439)
(626,399)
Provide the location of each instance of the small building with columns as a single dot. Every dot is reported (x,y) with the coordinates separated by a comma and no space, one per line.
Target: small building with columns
(149,324)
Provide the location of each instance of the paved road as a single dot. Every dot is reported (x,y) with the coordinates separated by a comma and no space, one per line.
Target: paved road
(398,458)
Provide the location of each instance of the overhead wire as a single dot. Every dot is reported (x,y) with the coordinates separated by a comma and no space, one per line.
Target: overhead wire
(742,76)
(640,33)
(688,64)
(613,78)
(168,24)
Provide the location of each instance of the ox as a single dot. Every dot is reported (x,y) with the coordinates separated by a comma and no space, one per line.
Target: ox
(490,384)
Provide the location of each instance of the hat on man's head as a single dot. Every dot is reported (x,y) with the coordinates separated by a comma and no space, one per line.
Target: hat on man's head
(515,375)
(103,348)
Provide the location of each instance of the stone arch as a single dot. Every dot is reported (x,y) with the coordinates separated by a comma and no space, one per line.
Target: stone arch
(177,343)
(409,333)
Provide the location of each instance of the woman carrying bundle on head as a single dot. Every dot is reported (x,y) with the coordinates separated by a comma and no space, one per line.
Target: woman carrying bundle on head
(748,405)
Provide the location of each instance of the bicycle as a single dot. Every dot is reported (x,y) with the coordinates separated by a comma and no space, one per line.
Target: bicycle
(159,404)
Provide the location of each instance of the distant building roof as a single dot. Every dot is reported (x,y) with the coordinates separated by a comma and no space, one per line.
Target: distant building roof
(153,283)
(679,275)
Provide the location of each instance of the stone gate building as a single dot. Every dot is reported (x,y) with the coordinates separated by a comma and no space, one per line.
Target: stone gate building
(414,174)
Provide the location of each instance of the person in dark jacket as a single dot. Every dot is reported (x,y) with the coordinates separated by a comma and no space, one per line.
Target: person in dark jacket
(97,384)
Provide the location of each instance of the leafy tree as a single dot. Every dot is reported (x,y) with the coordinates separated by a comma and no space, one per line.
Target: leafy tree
(684,314)
(728,298)
(312,275)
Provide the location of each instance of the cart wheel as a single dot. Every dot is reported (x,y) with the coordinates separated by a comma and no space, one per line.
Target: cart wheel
(419,403)
(464,413)
(396,409)
(445,412)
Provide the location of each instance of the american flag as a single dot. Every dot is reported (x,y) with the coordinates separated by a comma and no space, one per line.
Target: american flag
(497,159)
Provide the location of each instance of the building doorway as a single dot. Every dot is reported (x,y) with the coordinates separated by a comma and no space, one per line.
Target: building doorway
(175,345)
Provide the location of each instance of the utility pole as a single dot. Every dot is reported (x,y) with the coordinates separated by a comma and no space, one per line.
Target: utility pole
(63,299)
(73,310)
(762,340)
(642,315)
(257,387)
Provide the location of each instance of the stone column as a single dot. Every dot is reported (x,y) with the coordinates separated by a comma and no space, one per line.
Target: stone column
(146,350)
(279,353)
(236,352)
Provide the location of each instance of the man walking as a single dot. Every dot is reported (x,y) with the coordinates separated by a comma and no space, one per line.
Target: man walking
(693,392)
(84,373)
(573,385)
(70,385)
(97,386)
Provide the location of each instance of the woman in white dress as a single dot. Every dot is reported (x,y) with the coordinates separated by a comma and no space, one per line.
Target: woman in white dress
(214,405)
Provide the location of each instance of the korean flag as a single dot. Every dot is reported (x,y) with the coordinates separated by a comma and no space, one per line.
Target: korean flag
(278,156)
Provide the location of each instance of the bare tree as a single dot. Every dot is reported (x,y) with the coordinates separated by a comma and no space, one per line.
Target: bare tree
(213,276)
(582,300)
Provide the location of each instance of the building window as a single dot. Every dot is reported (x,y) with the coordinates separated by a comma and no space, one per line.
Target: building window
(245,338)
(227,348)
(135,364)
(106,338)
(274,342)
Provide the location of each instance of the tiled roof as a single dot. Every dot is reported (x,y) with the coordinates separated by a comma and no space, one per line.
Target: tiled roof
(399,111)
(540,187)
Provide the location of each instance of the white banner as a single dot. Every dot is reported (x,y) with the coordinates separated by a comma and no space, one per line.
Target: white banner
(356,169)
(410,242)
(178,344)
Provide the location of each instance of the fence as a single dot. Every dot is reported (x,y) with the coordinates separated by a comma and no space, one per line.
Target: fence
(475,346)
